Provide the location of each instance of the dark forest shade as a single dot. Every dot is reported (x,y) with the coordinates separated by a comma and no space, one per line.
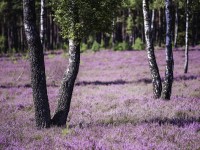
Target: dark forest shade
(66,89)
(156,80)
(168,80)
(38,77)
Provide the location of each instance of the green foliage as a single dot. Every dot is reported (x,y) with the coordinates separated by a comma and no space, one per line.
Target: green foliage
(130,25)
(2,43)
(133,4)
(181,38)
(139,45)
(121,46)
(90,41)
(96,46)
(78,18)
(102,45)
(157,4)
(84,47)
(65,47)
(66,130)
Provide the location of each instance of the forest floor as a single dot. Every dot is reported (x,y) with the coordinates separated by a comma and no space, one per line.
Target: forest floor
(112,106)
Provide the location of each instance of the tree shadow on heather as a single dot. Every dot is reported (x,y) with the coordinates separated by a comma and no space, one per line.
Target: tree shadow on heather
(186,77)
(99,83)
(116,82)
(180,122)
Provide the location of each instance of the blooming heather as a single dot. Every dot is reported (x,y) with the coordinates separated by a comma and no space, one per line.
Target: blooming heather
(112,105)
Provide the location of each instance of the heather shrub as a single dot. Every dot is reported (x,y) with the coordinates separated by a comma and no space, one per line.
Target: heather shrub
(139,45)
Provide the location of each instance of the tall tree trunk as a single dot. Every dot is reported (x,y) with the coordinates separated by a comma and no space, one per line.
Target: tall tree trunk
(153,25)
(160,23)
(176,26)
(156,80)
(168,80)
(42,21)
(98,37)
(66,89)
(186,38)
(38,77)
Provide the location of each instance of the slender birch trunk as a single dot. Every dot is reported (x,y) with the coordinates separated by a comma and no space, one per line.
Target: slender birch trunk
(186,38)
(176,26)
(66,89)
(42,21)
(168,80)
(67,85)
(156,80)
(152,25)
(38,77)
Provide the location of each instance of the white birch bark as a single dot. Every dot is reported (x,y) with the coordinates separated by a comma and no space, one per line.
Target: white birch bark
(186,38)
(156,80)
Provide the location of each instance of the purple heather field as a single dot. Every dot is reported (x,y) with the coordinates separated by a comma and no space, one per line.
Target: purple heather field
(112,106)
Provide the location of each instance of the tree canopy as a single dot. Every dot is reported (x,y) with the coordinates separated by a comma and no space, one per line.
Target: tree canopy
(85,16)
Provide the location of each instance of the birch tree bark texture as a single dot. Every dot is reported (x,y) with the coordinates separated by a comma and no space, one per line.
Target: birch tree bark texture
(38,77)
(186,38)
(67,85)
(168,80)
(42,21)
(156,80)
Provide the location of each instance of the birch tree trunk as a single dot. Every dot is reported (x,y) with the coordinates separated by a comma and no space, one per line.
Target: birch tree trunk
(153,25)
(42,21)
(176,26)
(38,77)
(66,89)
(168,80)
(156,80)
(186,38)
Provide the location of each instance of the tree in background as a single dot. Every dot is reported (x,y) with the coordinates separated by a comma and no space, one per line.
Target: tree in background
(156,80)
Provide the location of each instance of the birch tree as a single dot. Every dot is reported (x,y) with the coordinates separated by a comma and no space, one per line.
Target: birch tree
(168,80)
(38,77)
(176,25)
(42,21)
(186,37)
(156,80)
(77,18)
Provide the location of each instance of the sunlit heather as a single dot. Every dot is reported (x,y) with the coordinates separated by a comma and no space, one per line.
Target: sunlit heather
(112,106)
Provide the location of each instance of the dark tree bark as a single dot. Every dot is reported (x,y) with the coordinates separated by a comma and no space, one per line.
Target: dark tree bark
(156,80)
(118,32)
(168,80)
(66,89)
(38,77)
(186,38)
(98,37)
